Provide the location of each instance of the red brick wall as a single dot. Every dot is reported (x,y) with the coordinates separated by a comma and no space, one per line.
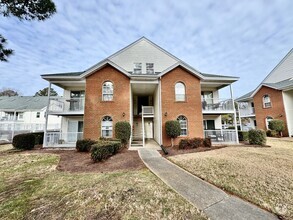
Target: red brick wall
(277,111)
(191,108)
(96,109)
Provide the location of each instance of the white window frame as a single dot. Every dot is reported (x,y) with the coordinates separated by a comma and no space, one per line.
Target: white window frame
(183,125)
(107,91)
(137,68)
(38,114)
(150,68)
(180,96)
(266,100)
(268,119)
(106,127)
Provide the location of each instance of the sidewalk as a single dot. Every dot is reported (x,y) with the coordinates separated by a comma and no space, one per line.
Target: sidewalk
(215,203)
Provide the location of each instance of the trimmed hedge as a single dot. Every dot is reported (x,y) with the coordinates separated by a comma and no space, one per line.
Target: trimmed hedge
(84,145)
(190,143)
(102,150)
(24,141)
(39,137)
(173,129)
(257,137)
(243,135)
(123,131)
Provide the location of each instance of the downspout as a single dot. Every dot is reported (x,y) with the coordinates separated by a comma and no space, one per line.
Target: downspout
(47,116)
(160,113)
(235,122)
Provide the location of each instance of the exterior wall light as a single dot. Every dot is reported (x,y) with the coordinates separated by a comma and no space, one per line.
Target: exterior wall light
(123,114)
(166,114)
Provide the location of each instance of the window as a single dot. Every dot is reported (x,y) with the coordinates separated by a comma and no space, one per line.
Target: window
(38,114)
(107,91)
(207,97)
(20,116)
(180,91)
(150,68)
(209,124)
(183,125)
(107,127)
(137,68)
(267,101)
(268,119)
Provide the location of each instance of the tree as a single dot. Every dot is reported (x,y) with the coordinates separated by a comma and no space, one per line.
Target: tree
(277,125)
(24,10)
(8,92)
(173,129)
(44,92)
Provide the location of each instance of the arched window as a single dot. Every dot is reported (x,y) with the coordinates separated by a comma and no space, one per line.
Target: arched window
(107,91)
(107,127)
(268,119)
(266,100)
(183,125)
(180,91)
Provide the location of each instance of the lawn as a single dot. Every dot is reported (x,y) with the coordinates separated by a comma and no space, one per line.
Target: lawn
(263,176)
(32,188)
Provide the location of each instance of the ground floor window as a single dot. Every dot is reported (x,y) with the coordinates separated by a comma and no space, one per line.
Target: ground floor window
(183,125)
(209,124)
(107,127)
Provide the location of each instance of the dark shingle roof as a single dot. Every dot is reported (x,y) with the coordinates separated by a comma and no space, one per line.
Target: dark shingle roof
(23,102)
(280,85)
(244,97)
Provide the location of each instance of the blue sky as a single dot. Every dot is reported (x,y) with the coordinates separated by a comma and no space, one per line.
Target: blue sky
(239,38)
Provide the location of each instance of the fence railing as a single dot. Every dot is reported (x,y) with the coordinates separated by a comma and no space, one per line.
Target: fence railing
(228,136)
(57,139)
(66,104)
(148,110)
(246,111)
(217,104)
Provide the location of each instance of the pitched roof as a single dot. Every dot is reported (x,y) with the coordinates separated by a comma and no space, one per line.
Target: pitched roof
(23,102)
(245,97)
(281,85)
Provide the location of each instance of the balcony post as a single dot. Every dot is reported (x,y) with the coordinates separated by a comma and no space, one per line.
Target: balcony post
(47,115)
(235,118)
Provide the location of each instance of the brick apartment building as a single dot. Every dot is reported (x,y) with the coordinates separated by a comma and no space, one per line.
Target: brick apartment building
(146,86)
(272,99)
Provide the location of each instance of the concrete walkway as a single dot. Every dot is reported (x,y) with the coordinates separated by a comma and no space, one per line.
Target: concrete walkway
(215,203)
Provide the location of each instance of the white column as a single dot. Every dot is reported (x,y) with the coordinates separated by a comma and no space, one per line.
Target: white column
(235,119)
(47,115)
(13,125)
(239,116)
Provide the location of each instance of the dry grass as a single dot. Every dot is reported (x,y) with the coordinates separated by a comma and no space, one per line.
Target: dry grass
(263,176)
(5,147)
(31,188)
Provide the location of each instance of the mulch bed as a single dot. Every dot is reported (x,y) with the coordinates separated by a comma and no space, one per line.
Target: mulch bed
(73,161)
(172,151)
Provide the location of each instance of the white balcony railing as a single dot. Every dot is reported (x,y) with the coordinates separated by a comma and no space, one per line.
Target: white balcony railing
(60,139)
(66,104)
(221,136)
(246,111)
(21,126)
(148,110)
(217,105)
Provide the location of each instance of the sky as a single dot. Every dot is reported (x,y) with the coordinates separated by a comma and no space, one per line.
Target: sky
(244,38)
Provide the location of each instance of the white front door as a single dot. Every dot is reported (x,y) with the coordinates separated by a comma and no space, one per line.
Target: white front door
(148,125)
(72,131)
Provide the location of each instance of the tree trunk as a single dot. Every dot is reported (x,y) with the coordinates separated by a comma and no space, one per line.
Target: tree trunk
(172,142)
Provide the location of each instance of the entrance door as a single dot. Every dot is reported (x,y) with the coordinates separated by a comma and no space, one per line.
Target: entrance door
(148,125)
(75,129)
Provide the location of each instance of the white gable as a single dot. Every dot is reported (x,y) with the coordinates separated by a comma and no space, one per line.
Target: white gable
(143,52)
(283,71)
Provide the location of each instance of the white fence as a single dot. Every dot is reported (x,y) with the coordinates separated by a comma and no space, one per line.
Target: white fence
(60,139)
(221,136)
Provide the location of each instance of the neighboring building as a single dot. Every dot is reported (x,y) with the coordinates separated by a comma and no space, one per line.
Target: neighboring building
(147,86)
(22,114)
(272,99)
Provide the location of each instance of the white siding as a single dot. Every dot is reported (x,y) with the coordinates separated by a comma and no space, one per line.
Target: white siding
(288,104)
(283,71)
(143,52)
(157,127)
(216,118)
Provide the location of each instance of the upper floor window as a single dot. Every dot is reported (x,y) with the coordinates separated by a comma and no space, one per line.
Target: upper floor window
(266,101)
(107,91)
(38,115)
(180,91)
(150,68)
(137,68)
(183,125)
(107,127)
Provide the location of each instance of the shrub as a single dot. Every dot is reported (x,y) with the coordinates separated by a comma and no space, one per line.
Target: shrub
(194,143)
(84,145)
(207,142)
(257,137)
(24,141)
(173,129)
(39,137)
(104,149)
(277,125)
(272,133)
(243,135)
(184,144)
(123,131)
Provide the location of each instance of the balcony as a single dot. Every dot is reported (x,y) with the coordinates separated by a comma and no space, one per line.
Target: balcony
(217,106)
(221,136)
(66,106)
(60,139)
(246,111)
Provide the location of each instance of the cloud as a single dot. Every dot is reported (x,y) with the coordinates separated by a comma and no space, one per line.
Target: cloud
(241,38)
